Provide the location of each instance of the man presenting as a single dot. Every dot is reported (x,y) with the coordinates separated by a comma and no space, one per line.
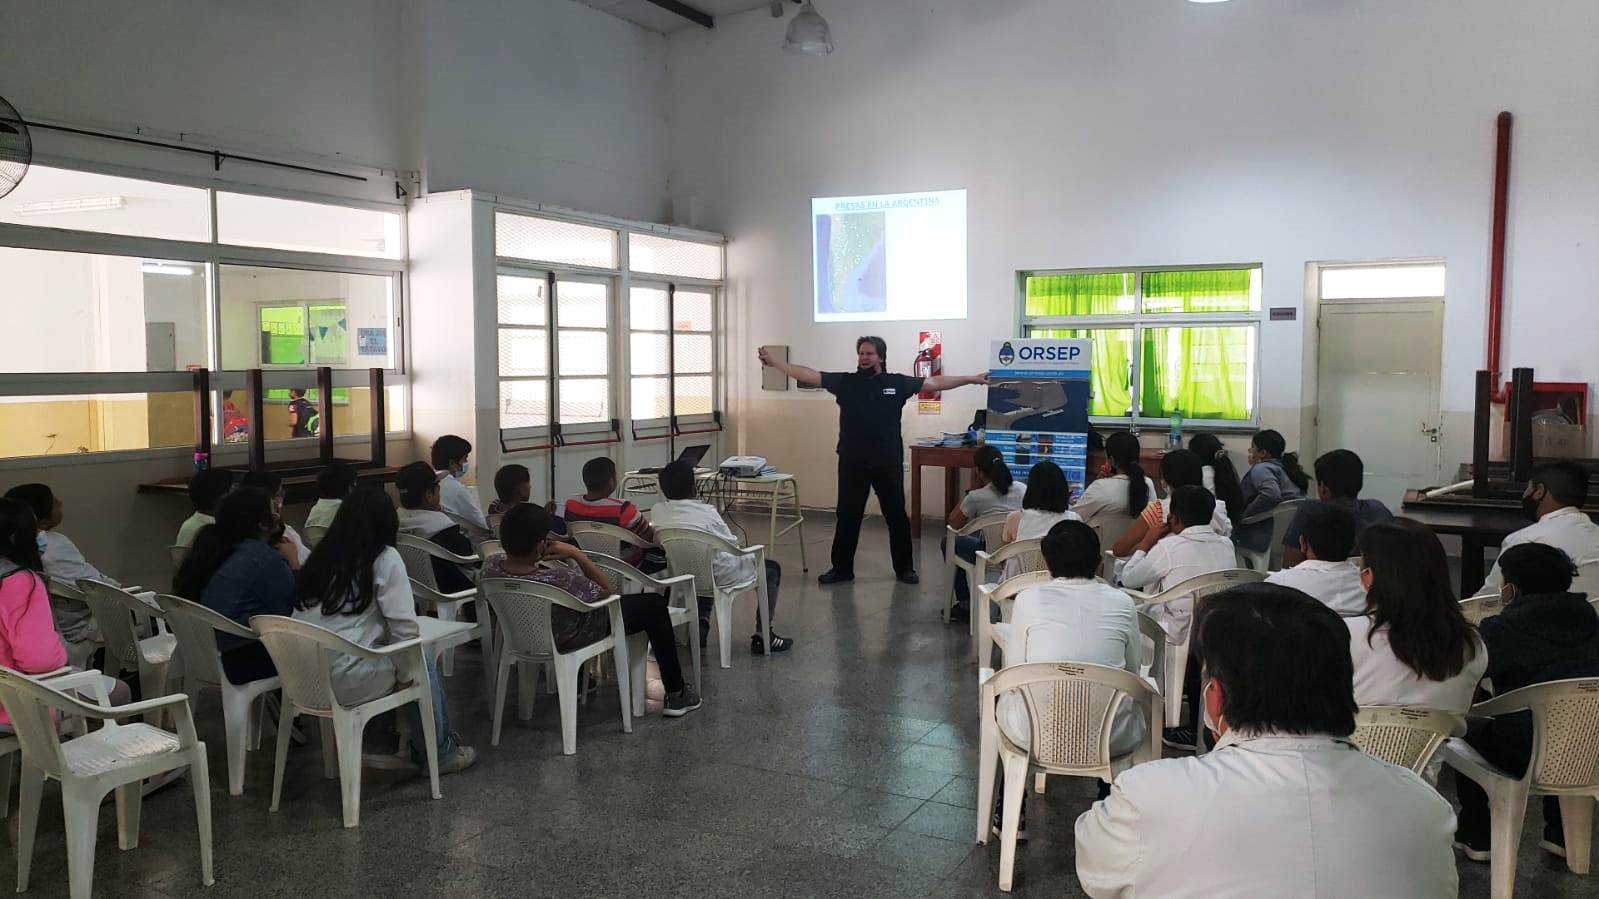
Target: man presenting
(871,450)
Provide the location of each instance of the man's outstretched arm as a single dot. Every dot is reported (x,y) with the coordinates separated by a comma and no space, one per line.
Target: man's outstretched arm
(950,382)
(800,373)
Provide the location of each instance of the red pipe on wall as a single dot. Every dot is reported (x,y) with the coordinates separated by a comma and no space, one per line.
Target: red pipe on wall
(1496,262)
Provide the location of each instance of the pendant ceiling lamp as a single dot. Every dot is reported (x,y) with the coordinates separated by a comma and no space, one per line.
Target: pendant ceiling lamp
(808,34)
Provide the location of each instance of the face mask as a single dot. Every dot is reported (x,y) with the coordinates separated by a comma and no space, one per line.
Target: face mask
(1210,722)
(1529,507)
(40,541)
(462,472)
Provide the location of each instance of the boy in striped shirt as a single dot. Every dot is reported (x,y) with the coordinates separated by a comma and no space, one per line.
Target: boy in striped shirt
(597,504)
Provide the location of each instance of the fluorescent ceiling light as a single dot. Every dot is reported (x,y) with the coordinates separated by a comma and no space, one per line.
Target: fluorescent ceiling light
(77,204)
(167,268)
(808,34)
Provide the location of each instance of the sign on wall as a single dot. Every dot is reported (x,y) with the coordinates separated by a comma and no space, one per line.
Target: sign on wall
(1038,404)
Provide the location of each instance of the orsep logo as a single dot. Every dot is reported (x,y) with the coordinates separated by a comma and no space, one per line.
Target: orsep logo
(1007,354)
(1048,353)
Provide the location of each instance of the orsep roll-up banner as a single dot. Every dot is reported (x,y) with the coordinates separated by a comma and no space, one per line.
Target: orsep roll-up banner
(1038,404)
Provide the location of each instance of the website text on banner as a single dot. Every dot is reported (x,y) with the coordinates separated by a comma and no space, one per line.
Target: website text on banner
(1038,404)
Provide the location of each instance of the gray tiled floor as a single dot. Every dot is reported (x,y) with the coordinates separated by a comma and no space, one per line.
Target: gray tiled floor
(844,768)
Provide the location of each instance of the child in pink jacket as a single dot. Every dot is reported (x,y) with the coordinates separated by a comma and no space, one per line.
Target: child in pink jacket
(28,639)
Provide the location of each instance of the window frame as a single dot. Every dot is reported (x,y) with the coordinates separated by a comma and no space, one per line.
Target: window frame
(210,254)
(1138,321)
(674,422)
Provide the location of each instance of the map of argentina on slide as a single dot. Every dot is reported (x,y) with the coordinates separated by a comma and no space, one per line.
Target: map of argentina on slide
(890,256)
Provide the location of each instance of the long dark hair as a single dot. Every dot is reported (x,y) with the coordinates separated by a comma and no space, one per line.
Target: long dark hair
(1047,489)
(241,516)
(1212,453)
(991,462)
(1410,594)
(1273,445)
(338,576)
(1122,449)
(19,535)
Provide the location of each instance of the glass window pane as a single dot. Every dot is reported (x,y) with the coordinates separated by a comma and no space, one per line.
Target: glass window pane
(522,300)
(646,308)
(68,312)
(1382,281)
(584,400)
(670,256)
(1111,374)
(1083,294)
(650,398)
(694,395)
(1204,372)
(84,201)
(524,353)
(348,318)
(581,304)
(692,311)
(1211,290)
(524,404)
(60,425)
(649,354)
(548,240)
(583,352)
(255,221)
(692,353)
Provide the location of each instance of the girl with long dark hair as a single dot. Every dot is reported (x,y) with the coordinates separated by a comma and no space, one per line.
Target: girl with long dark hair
(1110,504)
(1412,646)
(994,489)
(355,585)
(1274,477)
(1043,506)
(1219,476)
(233,570)
(1178,468)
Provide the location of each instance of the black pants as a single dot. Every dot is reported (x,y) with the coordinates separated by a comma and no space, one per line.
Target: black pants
(855,481)
(648,612)
(246,663)
(1507,745)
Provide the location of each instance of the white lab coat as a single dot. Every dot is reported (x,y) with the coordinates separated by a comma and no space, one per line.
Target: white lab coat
(461,501)
(389,618)
(726,568)
(1381,679)
(1335,585)
(191,528)
(322,513)
(1029,524)
(1270,815)
(1176,558)
(1073,620)
(1568,529)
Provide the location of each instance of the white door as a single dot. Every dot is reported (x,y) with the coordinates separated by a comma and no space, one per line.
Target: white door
(1377,389)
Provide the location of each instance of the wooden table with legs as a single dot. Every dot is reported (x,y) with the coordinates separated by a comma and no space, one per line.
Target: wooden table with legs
(950,458)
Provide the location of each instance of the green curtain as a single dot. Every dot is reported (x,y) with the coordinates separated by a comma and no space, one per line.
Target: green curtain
(1090,294)
(1204,372)
(1111,377)
(1210,290)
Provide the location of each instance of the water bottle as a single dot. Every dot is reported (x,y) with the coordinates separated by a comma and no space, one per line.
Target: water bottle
(1174,440)
(202,461)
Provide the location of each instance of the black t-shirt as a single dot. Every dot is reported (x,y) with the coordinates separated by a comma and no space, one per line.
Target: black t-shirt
(869,414)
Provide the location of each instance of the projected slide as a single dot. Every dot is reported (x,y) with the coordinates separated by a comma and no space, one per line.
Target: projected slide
(891,256)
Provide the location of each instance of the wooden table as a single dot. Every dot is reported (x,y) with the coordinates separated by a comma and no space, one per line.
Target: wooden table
(1478,528)
(299,481)
(950,458)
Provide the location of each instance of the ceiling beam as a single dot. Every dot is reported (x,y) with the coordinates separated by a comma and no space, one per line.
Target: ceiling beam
(686,11)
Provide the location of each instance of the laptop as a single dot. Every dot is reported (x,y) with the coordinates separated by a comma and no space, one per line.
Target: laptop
(692,455)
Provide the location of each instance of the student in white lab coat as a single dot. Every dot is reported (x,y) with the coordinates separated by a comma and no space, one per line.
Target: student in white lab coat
(1555,495)
(1178,468)
(1043,506)
(333,483)
(452,458)
(1115,500)
(1412,646)
(1286,805)
(206,489)
(1073,618)
(1326,538)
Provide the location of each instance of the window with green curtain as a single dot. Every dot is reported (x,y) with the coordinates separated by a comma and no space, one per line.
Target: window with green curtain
(282,335)
(1086,294)
(1208,290)
(1111,377)
(1203,372)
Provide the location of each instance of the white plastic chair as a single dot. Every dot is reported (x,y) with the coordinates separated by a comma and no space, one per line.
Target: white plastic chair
(313,534)
(304,655)
(196,628)
(1107,567)
(1271,558)
(117,757)
(524,610)
(599,537)
(682,606)
(79,653)
(1071,707)
(1028,556)
(1564,763)
(1482,606)
(150,657)
(1003,596)
(1155,654)
(1175,663)
(88,684)
(991,525)
(418,554)
(693,552)
(1405,736)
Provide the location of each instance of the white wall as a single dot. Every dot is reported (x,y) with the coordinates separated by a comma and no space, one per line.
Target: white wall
(1151,132)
